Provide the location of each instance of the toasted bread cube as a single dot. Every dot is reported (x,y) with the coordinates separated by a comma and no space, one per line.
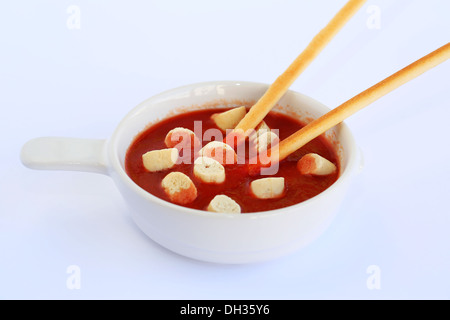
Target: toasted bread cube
(158,160)
(209,170)
(224,204)
(314,164)
(260,128)
(182,138)
(179,188)
(229,119)
(265,140)
(268,188)
(220,152)
(262,137)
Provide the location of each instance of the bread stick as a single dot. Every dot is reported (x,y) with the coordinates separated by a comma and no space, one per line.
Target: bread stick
(262,107)
(337,115)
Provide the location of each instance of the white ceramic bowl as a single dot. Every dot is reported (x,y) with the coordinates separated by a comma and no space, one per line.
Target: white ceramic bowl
(214,237)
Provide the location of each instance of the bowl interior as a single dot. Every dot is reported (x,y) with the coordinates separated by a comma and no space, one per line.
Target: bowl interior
(219,95)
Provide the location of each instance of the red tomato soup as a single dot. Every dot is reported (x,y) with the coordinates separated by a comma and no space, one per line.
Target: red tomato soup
(298,187)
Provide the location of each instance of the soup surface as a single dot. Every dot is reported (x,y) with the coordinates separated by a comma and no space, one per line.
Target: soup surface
(298,187)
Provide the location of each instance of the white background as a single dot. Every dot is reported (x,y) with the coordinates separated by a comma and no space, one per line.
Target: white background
(57,81)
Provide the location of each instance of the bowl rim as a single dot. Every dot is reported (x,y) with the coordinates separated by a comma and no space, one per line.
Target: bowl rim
(115,163)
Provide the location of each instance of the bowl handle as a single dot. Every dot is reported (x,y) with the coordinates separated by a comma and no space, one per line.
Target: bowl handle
(54,153)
